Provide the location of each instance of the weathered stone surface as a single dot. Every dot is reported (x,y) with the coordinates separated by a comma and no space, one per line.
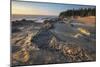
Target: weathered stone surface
(49,45)
(21,56)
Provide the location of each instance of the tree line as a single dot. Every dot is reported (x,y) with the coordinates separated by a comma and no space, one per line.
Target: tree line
(79,12)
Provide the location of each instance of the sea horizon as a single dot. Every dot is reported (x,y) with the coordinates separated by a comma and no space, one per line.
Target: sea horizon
(15,17)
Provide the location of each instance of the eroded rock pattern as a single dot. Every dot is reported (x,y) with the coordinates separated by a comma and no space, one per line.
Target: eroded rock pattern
(47,45)
(74,52)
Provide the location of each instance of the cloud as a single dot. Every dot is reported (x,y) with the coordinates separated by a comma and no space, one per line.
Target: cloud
(26,10)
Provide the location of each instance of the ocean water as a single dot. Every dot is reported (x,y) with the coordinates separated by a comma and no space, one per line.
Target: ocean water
(31,17)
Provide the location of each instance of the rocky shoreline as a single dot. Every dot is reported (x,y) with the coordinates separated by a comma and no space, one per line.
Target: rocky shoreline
(44,46)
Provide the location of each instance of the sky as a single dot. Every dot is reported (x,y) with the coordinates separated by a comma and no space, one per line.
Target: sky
(36,8)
